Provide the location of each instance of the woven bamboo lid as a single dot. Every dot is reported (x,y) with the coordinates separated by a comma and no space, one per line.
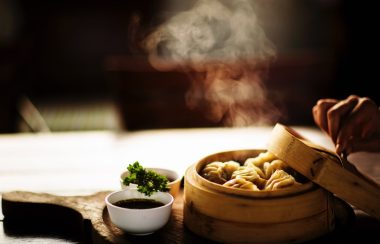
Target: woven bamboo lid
(326,169)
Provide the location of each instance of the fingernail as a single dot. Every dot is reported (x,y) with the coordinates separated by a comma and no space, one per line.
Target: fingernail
(338,149)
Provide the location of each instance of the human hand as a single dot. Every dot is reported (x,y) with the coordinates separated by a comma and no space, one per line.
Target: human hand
(353,123)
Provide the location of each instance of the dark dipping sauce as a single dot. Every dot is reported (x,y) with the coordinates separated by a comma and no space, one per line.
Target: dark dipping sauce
(138,203)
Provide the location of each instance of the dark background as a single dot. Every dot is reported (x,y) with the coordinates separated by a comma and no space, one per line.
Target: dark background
(70,50)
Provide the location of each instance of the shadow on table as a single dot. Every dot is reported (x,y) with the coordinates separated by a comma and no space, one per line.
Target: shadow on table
(68,225)
(358,227)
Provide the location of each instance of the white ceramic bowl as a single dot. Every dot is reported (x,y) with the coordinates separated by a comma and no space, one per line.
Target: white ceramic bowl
(174,179)
(139,221)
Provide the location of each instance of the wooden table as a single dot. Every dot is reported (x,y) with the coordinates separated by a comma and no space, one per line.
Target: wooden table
(83,163)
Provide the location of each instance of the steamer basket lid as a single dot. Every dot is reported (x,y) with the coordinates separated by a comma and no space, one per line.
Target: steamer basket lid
(326,169)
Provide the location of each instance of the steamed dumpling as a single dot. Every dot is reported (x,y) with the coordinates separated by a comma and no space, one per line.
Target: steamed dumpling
(219,172)
(260,159)
(280,179)
(214,172)
(258,170)
(264,172)
(270,168)
(230,167)
(241,183)
(249,174)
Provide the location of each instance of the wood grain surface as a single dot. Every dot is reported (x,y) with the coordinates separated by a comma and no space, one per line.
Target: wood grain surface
(86,218)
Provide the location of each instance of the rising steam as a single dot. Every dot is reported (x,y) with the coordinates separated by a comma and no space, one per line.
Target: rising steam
(221,45)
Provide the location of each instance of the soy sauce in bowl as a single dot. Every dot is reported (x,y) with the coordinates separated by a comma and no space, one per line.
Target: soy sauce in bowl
(138,203)
(138,214)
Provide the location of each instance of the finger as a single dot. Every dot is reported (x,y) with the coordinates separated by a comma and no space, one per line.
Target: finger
(337,113)
(320,112)
(358,123)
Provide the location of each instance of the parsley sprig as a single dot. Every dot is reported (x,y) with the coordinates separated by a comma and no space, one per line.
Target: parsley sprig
(147,181)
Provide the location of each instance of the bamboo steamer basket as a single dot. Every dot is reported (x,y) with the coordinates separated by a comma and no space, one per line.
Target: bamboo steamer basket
(224,214)
(294,214)
(320,166)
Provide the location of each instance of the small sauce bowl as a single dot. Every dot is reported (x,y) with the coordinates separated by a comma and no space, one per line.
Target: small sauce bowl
(173,177)
(139,221)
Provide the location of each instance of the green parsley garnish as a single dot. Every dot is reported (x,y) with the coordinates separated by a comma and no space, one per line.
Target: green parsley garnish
(147,181)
